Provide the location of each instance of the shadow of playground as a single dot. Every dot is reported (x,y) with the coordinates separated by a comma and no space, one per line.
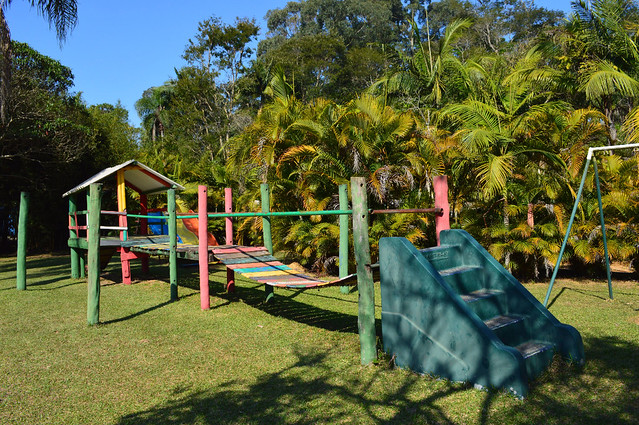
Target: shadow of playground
(304,393)
(604,391)
(312,392)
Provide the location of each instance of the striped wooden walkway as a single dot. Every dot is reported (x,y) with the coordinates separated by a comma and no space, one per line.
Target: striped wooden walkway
(256,263)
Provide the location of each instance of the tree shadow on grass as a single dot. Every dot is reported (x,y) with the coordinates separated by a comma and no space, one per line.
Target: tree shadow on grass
(141,312)
(311,391)
(50,262)
(41,272)
(604,391)
(307,392)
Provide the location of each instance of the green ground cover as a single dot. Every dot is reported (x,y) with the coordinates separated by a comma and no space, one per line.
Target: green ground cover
(293,362)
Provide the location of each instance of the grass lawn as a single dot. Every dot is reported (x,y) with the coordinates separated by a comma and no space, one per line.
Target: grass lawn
(293,362)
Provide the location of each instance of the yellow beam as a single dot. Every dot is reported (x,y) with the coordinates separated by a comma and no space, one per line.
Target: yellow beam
(121,193)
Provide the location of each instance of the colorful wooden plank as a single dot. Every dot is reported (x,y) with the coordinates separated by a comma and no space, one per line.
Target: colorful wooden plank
(240,261)
(238,249)
(236,266)
(263,269)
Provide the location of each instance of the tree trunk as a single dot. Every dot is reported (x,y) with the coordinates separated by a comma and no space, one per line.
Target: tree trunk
(5,66)
(612,130)
(531,217)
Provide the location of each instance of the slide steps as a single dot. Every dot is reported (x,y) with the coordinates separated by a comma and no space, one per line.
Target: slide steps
(455,312)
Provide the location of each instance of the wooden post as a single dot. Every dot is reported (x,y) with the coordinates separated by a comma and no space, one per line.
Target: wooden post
(366,314)
(203,247)
(228,208)
(170,206)
(93,233)
(442,222)
(266,231)
(343,236)
(73,234)
(83,261)
(84,254)
(21,258)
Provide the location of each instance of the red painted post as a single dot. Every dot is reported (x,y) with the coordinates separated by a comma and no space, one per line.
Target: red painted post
(228,208)
(442,221)
(144,210)
(203,247)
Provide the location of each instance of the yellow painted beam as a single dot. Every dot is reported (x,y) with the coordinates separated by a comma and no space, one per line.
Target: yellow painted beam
(121,193)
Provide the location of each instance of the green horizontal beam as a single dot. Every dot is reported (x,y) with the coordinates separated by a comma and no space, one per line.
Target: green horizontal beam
(155,217)
(252,214)
(291,213)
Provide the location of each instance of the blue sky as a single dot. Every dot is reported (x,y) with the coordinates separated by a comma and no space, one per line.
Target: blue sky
(122,47)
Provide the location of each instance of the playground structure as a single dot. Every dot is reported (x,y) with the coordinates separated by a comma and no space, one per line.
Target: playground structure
(451,310)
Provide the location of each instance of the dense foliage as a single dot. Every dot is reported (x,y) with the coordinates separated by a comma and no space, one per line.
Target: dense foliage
(503,97)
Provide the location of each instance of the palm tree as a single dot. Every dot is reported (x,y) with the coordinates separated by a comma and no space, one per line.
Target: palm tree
(602,58)
(432,71)
(62,14)
(152,109)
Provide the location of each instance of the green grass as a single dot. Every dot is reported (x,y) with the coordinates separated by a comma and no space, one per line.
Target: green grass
(293,362)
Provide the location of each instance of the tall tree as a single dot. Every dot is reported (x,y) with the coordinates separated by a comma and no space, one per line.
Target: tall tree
(61,14)
(221,50)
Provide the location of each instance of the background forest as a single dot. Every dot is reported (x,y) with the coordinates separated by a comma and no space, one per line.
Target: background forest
(503,97)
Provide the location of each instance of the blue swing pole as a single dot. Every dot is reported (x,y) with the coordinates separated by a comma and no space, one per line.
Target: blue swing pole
(591,151)
(603,230)
(572,219)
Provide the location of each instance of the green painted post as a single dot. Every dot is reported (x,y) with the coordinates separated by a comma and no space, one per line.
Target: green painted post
(84,255)
(21,258)
(343,236)
(565,242)
(266,231)
(170,195)
(83,263)
(93,224)
(366,314)
(73,234)
(603,229)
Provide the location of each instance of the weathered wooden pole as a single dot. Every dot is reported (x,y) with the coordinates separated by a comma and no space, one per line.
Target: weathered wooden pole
(442,221)
(21,257)
(366,314)
(228,208)
(83,262)
(170,206)
(93,233)
(343,236)
(266,231)
(203,247)
(84,255)
(73,234)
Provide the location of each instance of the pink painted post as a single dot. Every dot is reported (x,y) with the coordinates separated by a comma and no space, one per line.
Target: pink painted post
(442,221)
(144,210)
(203,247)
(228,208)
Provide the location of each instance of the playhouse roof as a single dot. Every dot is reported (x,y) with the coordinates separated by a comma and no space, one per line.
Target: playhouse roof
(138,176)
